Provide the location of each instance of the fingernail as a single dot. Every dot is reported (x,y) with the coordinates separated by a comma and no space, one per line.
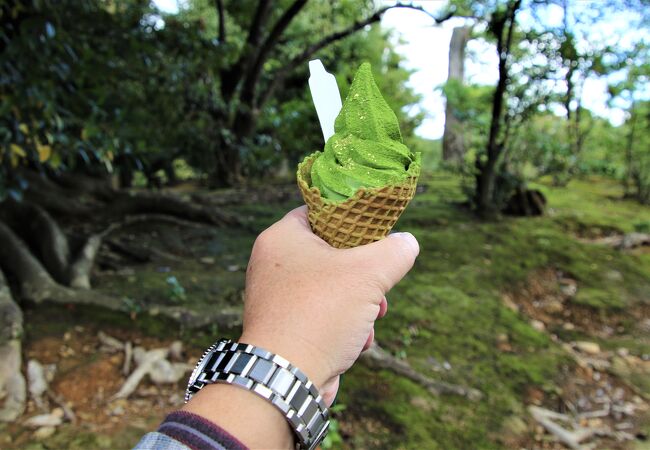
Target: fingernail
(410,240)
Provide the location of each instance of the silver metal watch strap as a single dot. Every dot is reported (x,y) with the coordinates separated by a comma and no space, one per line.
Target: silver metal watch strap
(271,377)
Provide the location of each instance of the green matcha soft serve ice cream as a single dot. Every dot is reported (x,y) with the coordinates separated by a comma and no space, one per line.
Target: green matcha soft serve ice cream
(366,150)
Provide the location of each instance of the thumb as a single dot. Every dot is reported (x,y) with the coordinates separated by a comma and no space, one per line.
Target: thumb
(390,258)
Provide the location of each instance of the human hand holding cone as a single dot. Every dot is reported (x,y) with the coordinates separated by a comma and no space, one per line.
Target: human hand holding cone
(359,186)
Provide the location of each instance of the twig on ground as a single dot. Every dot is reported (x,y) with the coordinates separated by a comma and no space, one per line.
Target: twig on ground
(378,358)
(572,438)
(128,356)
(144,367)
(109,343)
(68,414)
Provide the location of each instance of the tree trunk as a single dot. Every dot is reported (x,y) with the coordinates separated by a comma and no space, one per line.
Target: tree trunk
(229,170)
(453,141)
(503,28)
(629,145)
(485,181)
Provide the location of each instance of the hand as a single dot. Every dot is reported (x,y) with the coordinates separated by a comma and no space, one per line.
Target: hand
(316,305)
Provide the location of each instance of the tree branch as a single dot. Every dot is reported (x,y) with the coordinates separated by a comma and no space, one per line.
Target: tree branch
(218,4)
(279,77)
(231,77)
(253,75)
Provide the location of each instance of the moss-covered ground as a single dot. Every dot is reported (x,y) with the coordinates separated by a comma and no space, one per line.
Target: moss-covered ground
(447,316)
(449,308)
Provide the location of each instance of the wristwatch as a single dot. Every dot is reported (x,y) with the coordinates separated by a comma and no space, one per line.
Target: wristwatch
(271,377)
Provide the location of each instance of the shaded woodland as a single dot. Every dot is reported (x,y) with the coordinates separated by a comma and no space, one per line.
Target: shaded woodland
(141,151)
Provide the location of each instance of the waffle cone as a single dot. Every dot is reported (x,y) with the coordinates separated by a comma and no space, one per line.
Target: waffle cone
(367,216)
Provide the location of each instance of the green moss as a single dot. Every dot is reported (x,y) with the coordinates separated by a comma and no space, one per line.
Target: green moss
(597,201)
(449,309)
(39,323)
(599,299)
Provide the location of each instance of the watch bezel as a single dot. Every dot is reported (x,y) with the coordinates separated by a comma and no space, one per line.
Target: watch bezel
(198,369)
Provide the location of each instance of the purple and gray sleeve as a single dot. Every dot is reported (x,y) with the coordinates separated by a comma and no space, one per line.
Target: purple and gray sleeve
(182,431)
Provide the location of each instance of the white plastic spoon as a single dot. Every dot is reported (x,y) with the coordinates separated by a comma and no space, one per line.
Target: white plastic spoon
(326,96)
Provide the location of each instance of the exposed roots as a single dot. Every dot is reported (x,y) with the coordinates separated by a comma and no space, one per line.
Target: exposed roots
(42,234)
(12,383)
(141,202)
(82,196)
(45,265)
(36,285)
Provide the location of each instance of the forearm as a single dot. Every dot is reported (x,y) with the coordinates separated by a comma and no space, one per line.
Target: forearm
(252,419)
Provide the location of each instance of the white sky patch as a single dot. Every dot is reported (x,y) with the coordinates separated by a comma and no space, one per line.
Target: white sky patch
(425,48)
(166,6)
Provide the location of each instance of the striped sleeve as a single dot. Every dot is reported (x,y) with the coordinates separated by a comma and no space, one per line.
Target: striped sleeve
(182,430)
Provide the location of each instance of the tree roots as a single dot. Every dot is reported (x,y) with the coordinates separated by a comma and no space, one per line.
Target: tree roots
(12,383)
(45,265)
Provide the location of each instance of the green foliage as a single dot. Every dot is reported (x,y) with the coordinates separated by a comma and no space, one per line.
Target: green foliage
(642,227)
(121,87)
(540,147)
(471,104)
(97,83)
(545,73)
(287,126)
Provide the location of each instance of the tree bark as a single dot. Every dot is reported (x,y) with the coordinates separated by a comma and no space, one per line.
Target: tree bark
(253,74)
(11,318)
(221,21)
(503,28)
(232,76)
(629,146)
(42,233)
(17,260)
(453,141)
(54,198)
(99,187)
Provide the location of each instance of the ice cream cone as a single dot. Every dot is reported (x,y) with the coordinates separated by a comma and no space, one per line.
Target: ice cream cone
(367,216)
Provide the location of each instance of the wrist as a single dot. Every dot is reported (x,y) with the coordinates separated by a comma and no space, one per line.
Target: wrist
(298,351)
(251,419)
(270,376)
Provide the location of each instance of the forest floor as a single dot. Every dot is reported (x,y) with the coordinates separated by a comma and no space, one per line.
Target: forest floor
(532,312)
